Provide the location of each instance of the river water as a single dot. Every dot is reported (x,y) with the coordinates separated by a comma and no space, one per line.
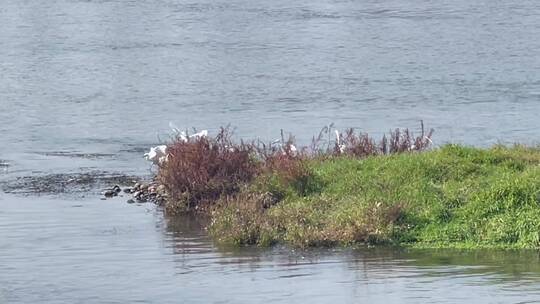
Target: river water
(87,85)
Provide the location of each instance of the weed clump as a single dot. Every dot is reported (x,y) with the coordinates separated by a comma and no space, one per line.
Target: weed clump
(331,142)
(199,171)
(241,219)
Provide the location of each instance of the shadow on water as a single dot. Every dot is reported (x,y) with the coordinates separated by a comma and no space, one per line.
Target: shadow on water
(187,234)
(506,265)
(493,266)
(189,241)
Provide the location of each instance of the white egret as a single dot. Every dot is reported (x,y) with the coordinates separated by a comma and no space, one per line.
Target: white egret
(157,155)
(285,147)
(174,128)
(288,149)
(181,134)
(203,133)
(293,148)
(183,137)
(340,146)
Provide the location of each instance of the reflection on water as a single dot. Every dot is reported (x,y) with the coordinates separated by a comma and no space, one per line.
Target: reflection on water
(375,274)
(63,251)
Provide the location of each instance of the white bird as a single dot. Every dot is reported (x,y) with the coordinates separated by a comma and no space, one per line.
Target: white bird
(157,155)
(293,148)
(181,134)
(174,128)
(289,148)
(203,133)
(341,146)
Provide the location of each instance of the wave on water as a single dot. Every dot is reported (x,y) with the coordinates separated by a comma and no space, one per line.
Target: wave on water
(67,183)
(4,166)
(76,154)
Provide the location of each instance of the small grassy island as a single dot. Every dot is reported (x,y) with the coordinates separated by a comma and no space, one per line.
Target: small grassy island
(355,190)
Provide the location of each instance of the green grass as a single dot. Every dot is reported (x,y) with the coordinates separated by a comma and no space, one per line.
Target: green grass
(454,196)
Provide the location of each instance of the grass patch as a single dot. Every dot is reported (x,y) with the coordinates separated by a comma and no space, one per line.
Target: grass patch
(453,196)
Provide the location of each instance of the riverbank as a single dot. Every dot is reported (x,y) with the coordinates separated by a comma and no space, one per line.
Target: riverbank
(396,191)
(454,196)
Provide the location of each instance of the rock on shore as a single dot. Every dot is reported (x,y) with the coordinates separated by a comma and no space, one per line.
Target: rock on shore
(140,192)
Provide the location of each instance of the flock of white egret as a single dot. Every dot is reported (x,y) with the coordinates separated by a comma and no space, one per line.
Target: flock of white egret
(158,154)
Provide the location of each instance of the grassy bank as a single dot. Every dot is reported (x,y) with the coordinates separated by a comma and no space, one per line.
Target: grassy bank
(452,196)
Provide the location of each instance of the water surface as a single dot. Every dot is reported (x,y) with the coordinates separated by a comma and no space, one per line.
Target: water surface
(92,251)
(104,78)
(87,85)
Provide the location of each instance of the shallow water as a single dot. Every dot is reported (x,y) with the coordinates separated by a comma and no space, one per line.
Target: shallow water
(87,85)
(92,251)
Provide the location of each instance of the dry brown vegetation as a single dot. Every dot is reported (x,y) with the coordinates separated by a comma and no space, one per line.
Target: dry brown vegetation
(199,172)
(360,144)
